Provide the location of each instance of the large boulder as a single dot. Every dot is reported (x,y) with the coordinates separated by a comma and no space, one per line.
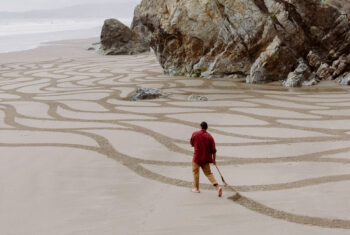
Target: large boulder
(260,39)
(118,39)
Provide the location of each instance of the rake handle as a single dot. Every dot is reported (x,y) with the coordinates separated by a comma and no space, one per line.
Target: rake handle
(222,178)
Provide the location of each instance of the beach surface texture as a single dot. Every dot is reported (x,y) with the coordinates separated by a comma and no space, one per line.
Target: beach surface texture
(78,157)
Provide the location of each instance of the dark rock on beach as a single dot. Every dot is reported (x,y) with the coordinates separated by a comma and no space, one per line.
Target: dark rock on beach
(145,93)
(197,98)
(94,46)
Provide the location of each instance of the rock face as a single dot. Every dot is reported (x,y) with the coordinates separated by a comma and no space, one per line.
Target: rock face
(118,39)
(141,32)
(263,40)
(342,5)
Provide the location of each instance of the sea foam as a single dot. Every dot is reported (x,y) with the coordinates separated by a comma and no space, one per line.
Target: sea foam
(25,34)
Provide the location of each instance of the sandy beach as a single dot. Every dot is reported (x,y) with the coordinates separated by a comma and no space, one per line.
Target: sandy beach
(77,157)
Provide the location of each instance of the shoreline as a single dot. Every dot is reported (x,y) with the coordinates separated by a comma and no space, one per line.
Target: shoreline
(50,50)
(35,40)
(26,35)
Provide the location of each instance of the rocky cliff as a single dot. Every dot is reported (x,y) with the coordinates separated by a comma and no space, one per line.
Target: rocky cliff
(264,40)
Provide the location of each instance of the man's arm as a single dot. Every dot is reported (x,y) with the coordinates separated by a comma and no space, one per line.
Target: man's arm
(192,141)
(213,149)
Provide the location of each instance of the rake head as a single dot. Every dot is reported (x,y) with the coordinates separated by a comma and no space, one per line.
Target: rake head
(235,197)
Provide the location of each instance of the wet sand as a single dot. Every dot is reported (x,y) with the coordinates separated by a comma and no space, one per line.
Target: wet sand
(76,157)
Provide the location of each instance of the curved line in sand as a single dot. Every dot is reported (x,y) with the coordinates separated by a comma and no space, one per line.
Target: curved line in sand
(93,79)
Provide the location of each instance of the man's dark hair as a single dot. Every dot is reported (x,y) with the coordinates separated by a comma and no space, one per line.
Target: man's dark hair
(204,125)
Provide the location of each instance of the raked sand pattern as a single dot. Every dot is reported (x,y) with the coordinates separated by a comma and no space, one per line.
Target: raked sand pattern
(287,152)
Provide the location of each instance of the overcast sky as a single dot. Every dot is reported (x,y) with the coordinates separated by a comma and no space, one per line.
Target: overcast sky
(26,5)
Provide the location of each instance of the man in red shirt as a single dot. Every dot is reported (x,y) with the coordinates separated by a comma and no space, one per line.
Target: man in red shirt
(204,154)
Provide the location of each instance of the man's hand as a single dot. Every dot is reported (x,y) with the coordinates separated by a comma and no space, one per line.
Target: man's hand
(214,158)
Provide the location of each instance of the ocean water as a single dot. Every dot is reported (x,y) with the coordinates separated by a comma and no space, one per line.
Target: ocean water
(18,35)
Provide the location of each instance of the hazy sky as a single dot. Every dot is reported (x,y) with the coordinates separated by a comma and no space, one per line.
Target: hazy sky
(25,5)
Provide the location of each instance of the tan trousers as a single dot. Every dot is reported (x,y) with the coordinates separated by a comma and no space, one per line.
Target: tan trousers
(207,173)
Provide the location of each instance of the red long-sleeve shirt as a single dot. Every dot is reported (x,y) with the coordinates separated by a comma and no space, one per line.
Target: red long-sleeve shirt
(204,147)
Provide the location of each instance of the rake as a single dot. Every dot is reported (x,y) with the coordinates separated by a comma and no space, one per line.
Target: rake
(234,197)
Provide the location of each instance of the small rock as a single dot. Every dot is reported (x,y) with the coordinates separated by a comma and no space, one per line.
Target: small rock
(344,79)
(91,49)
(314,59)
(339,65)
(145,93)
(197,98)
(317,32)
(299,76)
(325,71)
(313,80)
(292,80)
